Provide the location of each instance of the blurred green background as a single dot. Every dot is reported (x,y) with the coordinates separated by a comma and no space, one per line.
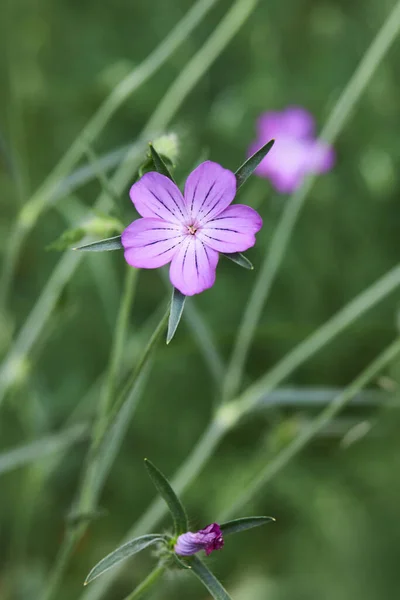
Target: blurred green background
(337,533)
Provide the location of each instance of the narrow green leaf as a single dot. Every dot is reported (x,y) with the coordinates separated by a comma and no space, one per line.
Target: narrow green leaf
(216,589)
(177,305)
(238,525)
(112,243)
(183,563)
(159,164)
(176,509)
(123,552)
(239,259)
(247,168)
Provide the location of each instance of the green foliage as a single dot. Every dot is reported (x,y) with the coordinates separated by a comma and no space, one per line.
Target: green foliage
(337,504)
(238,525)
(216,589)
(124,552)
(175,507)
(177,306)
(248,167)
(113,243)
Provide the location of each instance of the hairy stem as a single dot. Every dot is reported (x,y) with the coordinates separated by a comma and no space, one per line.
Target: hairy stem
(146,584)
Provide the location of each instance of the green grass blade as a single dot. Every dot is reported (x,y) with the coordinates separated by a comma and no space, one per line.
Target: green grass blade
(174,504)
(112,243)
(210,582)
(238,525)
(177,306)
(122,553)
(247,168)
(239,259)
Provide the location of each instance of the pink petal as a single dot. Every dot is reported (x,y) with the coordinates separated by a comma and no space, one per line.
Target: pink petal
(298,122)
(209,189)
(321,157)
(269,126)
(155,195)
(150,243)
(233,230)
(294,121)
(193,267)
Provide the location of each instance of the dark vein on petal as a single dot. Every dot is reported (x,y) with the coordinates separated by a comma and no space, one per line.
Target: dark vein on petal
(184,257)
(194,194)
(159,241)
(195,260)
(205,250)
(205,197)
(168,249)
(229,217)
(162,203)
(212,208)
(175,202)
(217,239)
(224,229)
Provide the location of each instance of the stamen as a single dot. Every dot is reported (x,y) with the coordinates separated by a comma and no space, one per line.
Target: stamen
(192,229)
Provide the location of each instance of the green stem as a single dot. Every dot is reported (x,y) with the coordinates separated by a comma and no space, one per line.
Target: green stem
(118,341)
(62,559)
(282,235)
(229,414)
(319,423)
(201,62)
(90,487)
(208,579)
(146,584)
(315,342)
(155,338)
(43,196)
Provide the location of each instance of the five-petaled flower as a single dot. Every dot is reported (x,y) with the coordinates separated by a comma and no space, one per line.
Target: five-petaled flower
(296,152)
(207,539)
(188,230)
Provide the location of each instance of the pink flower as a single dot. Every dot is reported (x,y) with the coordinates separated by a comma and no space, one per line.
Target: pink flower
(296,152)
(188,231)
(207,539)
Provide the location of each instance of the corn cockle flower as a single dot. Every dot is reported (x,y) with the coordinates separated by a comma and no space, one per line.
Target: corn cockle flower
(188,230)
(207,539)
(296,152)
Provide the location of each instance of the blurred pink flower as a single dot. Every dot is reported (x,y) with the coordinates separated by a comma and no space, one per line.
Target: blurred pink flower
(296,152)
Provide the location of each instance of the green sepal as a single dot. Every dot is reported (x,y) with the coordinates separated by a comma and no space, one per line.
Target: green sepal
(238,525)
(210,582)
(240,259)
(171,499)
(176,311)
(159,164)
(247,168)
(112,243)
(129,549)
(147,166)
